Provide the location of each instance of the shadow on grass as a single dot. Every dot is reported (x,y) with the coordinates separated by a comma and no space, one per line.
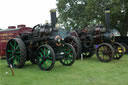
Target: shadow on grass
(29,65)
(61,68)
(92,59)
(58,67)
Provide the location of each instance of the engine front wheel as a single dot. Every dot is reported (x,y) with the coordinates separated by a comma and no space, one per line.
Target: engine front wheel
(45,57)
(105,52)
(69,55)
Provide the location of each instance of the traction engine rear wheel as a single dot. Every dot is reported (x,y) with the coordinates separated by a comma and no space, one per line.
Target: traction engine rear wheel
(16,52)
(105,52)
(45,57)
(69,55)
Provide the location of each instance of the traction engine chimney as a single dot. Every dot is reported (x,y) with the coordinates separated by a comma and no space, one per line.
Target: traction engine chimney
(107,19)
(53,17)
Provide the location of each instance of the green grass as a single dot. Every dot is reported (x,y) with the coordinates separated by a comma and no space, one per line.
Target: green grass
(86,72)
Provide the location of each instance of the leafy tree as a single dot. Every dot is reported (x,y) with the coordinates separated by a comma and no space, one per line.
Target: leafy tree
(80,13)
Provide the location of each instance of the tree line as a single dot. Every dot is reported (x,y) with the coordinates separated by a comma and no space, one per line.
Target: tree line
(78,14)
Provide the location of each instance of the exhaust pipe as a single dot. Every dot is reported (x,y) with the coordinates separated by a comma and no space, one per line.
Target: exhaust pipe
(53,17)
(107,19)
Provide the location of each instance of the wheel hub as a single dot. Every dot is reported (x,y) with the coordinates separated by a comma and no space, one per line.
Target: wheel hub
(105,53)
(44,57)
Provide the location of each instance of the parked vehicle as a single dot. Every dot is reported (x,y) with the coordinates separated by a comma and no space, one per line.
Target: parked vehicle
(103,40)
(43,46)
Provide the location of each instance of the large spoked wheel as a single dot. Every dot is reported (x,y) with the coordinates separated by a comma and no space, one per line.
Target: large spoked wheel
(105,52)
(76,43)
(45,57)
(86,39)
(119,50)
(69,55)
(16,52)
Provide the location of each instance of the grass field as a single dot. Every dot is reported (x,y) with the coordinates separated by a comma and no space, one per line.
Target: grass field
(86,72)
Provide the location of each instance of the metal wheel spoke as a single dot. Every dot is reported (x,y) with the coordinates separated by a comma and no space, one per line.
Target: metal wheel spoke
(65,61)
(116,55)
(41,55)
(18,59)
(100,52)
(11,58)
(11,45)
(72,42)
(15,45)
(100,55)
(67,51)
(105,57)
(49,61)
(10,51)
(44,51)
(14,61)
(42,61)
(18,52)
(47,53)
(69,58)
(45,64)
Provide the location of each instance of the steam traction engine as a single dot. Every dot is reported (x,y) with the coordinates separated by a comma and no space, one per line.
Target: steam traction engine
(106,48)
(43,46)
(102,40)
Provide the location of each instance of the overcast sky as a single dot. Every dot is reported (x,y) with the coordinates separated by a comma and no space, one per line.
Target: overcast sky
(29,12)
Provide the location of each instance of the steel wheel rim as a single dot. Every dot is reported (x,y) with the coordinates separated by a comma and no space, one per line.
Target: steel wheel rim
(13,53)
(68,55)
(44,58)
(104,52)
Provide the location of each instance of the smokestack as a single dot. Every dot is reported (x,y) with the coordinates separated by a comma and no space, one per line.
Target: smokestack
(53,17)
(107,19)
